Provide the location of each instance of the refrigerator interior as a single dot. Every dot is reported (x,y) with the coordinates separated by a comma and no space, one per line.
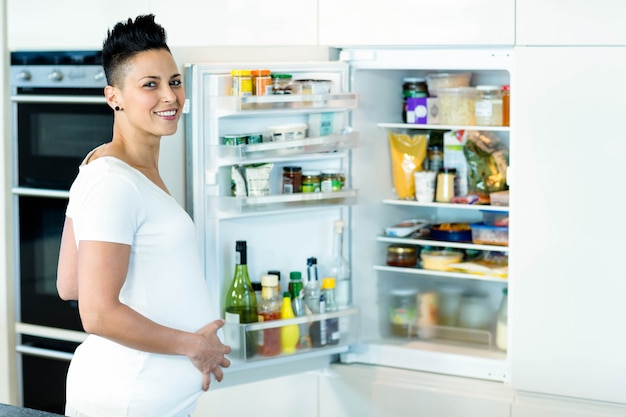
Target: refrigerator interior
(377,78)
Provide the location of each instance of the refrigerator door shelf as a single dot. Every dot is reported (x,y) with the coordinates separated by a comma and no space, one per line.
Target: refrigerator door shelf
(244,339)
(232,105)
(443,127)
(307,148)
(274,203)
(425,241)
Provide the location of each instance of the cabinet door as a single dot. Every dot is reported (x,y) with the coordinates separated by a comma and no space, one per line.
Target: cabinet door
(563,22)
(416,22)
(567,314)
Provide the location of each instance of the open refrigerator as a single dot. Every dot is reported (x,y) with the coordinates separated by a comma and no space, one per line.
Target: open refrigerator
(282,231)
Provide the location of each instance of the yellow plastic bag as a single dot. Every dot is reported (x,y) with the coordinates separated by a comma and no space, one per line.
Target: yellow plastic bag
(407,156)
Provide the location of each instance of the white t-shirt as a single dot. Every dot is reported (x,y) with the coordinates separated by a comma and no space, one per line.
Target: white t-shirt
(111,201)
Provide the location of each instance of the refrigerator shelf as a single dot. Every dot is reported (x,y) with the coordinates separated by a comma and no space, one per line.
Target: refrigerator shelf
(442,274)
(443,127)
(423,241)
(272,203)
(244,339)
(225,155)
(471,207)
(233,105)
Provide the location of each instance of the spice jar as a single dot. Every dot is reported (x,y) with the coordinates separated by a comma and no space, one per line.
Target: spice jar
(401,255)
(260,81)
(402,312)
(445,185)
(242,83)
(488,106)
(292,180)
(311,181)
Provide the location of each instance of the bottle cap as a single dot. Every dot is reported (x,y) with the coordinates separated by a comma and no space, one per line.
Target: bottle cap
(269,280)
(295,275)
(286,294)
(328,283)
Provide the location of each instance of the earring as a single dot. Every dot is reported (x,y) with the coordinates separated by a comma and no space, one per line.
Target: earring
(117,108)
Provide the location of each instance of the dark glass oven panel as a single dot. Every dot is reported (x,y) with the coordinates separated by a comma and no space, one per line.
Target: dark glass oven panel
(40,227)
(53,139)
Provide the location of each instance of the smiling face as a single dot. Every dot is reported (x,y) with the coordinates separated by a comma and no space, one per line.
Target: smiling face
(151,96)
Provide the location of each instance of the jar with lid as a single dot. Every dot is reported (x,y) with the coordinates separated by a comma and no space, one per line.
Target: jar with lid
(282,84)
(292,180)
(242,82)
(445,185)
(260,81)
(402,318)
(330,181)
(401,255)
(488,106)
(506,105)
(412,87)
(311,181)
(474,311)
(435,157)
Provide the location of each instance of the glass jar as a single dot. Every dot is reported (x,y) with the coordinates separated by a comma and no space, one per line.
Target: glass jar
(445,185)
(435,158)
(488,105)
(242,82)
(412,87)
(506,105)
(282,84)
(330,181)
(260,81)
(401,255)
(292,180)
(402,312)
(311,181)
(474,311)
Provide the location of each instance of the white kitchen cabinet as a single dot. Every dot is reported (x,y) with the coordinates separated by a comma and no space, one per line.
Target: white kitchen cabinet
(370,391)
(416,22)
(563,22)
(567,316)
(528,405)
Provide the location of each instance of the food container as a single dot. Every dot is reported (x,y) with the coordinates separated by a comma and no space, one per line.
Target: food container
(451,232)
(496,218)
(286,132)
(401,255)
(314,86)
(439,260)
(499,198)
(402,317)
(405,228)
(435,81)
(485,234)
(457,106)
(282,84)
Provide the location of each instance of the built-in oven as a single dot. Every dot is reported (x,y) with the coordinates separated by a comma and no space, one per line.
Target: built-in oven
(58,114)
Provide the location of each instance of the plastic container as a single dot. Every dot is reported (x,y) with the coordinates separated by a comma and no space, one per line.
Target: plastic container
(402,316)
(496,218)
(484,234)
(445,185)
(314,86)
(475,312)
(457,106)
(241,82)
(293,131)
(401,255)
(499,198)
(260,81)
(435,81)
(451,232)
(488,106)
(440,260)
(282,84)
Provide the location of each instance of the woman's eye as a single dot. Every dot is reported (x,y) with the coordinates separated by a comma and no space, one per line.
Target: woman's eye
(176,83)
(150,84)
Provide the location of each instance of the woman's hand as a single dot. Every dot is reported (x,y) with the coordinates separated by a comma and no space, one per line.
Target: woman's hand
(209,357)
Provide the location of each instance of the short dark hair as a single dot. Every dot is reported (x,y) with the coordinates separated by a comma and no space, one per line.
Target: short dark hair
(126,40)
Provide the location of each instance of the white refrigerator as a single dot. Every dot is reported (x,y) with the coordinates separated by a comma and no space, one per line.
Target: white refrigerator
(283,230)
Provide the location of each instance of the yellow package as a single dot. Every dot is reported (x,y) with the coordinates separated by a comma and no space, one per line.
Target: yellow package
(408,152)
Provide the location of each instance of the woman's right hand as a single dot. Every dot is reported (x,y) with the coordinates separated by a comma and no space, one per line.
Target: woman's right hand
(209,357)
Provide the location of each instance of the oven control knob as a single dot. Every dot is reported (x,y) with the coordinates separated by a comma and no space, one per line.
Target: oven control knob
(55,75)
(24,75)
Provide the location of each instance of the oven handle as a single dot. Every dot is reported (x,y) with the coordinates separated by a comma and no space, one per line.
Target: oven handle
(45,353)
(59,99)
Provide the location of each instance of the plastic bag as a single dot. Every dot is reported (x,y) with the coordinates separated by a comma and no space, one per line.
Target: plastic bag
(407,156)
(488,159)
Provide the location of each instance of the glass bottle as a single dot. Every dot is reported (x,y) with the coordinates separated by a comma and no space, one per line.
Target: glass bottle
(502,321)
(296,290)
(290,334)
(240,304)
(332,324)
(269,309)
(339,268)
(312,288)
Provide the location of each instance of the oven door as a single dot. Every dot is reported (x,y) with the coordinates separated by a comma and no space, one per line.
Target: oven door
(40,227)
(53,133)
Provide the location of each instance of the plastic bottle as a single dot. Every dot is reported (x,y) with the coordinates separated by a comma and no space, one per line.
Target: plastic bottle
(318,331)
(240,304)
(269,309)
(502,321)
(332,324)
(290,334)
(296,290)
(312,288)
(339,268)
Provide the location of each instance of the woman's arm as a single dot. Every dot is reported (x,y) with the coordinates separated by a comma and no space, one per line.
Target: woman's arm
(67,271)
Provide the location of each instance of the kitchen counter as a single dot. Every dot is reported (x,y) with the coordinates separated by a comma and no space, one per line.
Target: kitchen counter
(13,411)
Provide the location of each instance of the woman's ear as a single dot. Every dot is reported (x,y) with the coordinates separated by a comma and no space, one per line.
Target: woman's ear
(111,95)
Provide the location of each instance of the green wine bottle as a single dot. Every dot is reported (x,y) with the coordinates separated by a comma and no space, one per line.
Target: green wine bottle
(240,305)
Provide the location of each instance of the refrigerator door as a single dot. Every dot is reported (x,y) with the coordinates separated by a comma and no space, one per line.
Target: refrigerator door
(569,308)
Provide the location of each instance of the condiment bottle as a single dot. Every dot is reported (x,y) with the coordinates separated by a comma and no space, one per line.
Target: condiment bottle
(269,309)
(292,180)
(240,304)
(260,81)
(506,105)
(242,82)
(296,290)
(339,268)
(445,185)
(289,334)
(332,324)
